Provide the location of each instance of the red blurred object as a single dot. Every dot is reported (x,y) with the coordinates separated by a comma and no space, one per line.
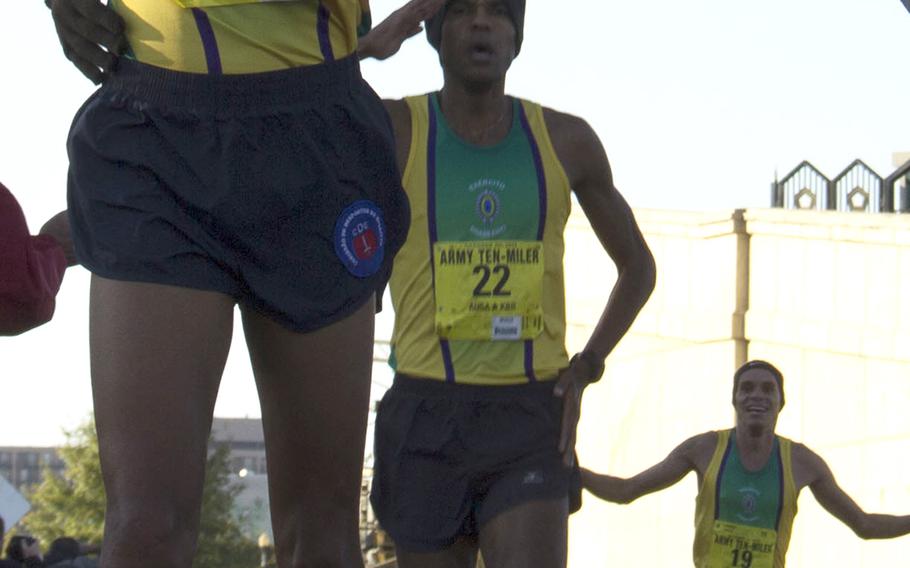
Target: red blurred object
(31,271)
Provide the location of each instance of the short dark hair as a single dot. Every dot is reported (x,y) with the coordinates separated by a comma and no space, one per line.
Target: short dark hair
(759,364)
(62,548)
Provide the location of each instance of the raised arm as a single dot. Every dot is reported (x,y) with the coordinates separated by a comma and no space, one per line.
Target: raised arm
(660,476)
(830,496)
(386,38)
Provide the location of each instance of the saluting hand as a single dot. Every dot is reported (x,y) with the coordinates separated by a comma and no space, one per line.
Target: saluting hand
(91,35)
(386,38)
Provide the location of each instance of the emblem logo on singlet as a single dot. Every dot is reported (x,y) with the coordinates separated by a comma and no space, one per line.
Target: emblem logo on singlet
(487,204)
(748,503)
(360,238)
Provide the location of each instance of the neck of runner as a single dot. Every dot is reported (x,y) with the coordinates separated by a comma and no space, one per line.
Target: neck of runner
(482,118)
(755,445)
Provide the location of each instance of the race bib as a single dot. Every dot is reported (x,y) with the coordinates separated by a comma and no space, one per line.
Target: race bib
(489,290)
(739,546)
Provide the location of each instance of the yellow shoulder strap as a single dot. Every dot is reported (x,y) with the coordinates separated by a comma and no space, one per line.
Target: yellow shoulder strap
(788,508)
(705,501)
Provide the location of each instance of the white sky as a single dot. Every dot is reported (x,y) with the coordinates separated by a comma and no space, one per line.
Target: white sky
(698,104)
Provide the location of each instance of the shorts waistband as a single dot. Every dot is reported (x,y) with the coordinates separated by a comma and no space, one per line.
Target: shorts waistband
(436,388)
(231,94)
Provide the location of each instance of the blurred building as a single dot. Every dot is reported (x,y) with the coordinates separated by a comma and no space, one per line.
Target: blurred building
(245,439)
(24,466)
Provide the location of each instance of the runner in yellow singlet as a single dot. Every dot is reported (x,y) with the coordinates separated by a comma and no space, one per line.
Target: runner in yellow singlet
(474,443)
(748,481)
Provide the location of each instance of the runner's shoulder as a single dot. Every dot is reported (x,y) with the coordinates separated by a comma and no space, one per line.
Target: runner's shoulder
(808,466)
(698,450)
(566,127)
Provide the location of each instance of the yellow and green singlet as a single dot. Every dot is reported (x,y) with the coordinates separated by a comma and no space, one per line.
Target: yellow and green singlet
(241,36)
(478,287)
(743,519)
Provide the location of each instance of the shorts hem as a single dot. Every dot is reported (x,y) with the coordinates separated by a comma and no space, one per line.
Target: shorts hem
(482,520)
(163,281)
(422,547)
(351,306)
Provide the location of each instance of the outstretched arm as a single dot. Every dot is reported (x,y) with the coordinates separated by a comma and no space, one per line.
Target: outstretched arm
(843,507)
(386,38)
(666,473)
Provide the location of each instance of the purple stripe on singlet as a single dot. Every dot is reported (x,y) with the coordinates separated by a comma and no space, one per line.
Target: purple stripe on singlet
(431,225)
(209,45)
(541,222)
(720,475)
(780,485)
(538,166)
(322,30)
(529,361)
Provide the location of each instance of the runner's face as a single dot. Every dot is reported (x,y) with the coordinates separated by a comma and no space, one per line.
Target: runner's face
(478,40)
(757,399)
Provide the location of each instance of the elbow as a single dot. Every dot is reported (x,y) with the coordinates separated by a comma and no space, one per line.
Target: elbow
(642,271)
(649,272)
(625,498)
(623,493)
(862,527)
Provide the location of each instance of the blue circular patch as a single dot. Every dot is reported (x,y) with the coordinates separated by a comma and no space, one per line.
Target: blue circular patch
(488,206)
(360,238)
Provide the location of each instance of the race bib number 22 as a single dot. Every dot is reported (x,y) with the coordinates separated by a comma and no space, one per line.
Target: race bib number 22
(489,290)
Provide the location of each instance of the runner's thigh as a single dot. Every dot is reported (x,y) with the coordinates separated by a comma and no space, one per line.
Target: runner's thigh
(531,534)
(157,354)
(314,389)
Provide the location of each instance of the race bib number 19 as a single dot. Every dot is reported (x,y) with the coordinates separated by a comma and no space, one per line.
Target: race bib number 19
(738,546)
(489,290)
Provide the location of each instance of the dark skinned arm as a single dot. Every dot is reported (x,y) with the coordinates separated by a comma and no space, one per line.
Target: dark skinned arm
(836,501)
(669,471)
(586,164)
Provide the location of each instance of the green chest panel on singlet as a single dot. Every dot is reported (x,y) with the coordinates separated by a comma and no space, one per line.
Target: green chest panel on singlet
(485,193)
(750,498)
(488,249)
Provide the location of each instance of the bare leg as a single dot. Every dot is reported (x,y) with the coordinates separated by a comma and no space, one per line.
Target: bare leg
(314,389)
(532,534)
(157,354)
(462,554)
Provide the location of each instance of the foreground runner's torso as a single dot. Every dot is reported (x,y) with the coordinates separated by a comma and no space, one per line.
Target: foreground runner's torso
(240,36)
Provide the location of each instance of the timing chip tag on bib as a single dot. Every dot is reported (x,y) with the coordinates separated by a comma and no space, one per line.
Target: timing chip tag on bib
(739,546)
(489,290)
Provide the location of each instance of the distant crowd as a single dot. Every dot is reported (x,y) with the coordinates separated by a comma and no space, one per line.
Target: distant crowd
(23,551)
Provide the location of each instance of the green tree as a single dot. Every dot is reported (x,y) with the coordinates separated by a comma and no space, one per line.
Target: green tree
(73,504)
